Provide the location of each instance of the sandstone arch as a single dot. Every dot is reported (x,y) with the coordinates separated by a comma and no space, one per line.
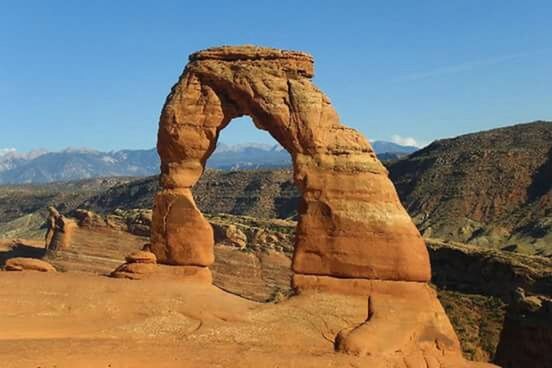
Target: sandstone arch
(351,223)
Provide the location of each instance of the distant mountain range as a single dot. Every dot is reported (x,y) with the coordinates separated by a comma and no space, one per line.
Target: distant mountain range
(73,164)
(41,166)
(381,147)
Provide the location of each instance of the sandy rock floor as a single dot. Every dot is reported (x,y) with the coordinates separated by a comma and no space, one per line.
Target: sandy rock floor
(75,320)
(81,320)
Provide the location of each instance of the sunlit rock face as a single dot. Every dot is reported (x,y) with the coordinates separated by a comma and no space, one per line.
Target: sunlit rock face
(353,236)
(351,223)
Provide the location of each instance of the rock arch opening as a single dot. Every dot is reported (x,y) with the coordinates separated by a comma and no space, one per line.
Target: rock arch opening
(350,222)
(242,146)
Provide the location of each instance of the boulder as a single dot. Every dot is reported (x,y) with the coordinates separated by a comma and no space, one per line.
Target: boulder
(150,271)
(28,264)
(88,219)
(116,222)
(141,256)
(133,270)
(230,235)
(139,229)
(138,264)
(138,221)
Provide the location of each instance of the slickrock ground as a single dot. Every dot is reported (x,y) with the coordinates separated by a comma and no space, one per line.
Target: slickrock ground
(261,271)
(257,273)
(82,320)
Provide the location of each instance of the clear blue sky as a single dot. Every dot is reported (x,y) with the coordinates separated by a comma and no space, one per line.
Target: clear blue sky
(96,73)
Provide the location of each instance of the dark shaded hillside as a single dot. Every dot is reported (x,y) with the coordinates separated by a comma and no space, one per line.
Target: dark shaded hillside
(489,188)
(138,193)
(382,147)
(257,193)
(261,193)
(20,200)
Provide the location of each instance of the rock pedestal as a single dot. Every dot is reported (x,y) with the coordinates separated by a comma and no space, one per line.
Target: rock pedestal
(142,264)
(61,234)
(138,265)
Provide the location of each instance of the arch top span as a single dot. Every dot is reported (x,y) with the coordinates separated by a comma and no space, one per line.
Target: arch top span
(298,61)
(351,223)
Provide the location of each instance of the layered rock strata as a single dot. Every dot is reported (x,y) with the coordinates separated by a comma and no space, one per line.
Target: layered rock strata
(351,223)
(138,265)
(142,265)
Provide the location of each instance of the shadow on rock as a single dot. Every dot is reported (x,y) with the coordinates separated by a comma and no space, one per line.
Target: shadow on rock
(21,250)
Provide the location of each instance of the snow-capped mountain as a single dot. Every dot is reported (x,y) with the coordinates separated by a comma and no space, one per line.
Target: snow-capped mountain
(40,166)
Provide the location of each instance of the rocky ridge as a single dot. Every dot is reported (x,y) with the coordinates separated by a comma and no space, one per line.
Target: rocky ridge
(492,188)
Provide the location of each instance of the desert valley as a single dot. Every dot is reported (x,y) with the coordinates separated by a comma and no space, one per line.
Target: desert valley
(313,265)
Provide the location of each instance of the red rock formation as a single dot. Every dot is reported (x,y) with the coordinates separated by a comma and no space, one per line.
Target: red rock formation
(353,235)
(351,223)
(28,264)
(142,264)
(60,231)
(138,265)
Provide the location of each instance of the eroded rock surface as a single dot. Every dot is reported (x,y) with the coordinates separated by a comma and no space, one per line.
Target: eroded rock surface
(28,264)
(353,236)
(138,264)
(60,231)
(351,223)
(230,235)
(142,264)
(401,316)
(91,321)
